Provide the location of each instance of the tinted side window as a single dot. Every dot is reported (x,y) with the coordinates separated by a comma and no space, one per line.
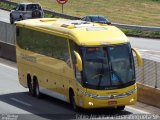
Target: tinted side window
(32,7)
(102,19)
(21,7)
(88,19)
(94,19)
(43,43)
(84,19)
(17,7)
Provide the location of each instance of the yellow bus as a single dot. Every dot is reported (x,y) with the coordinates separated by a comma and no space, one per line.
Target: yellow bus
(88,65)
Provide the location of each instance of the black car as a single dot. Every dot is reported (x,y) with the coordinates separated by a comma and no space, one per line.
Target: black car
(97,19)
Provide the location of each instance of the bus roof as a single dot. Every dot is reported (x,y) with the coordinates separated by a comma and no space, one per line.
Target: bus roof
(81,32)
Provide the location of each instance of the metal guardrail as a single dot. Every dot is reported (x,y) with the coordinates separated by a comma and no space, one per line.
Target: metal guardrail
(137,27)
(126,26)
(61,15)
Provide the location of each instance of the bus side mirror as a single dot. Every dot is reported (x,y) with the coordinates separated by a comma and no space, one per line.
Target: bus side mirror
(138,56)
(79,61)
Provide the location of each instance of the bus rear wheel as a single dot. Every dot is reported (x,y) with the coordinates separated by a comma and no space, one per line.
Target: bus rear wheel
(37,92)
(31,88)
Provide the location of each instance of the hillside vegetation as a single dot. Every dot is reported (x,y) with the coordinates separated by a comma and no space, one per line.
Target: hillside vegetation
(139,12)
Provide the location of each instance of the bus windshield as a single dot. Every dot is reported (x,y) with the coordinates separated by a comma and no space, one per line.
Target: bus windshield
(108,67)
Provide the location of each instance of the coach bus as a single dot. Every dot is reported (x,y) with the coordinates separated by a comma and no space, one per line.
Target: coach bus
(88,65)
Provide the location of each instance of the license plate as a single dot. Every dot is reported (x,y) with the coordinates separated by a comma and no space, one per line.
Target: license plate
(112,102)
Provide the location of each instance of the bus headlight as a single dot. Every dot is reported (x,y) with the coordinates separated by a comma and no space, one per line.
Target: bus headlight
(131,100)
(90,103)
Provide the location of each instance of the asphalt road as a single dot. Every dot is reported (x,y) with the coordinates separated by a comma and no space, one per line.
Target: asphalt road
(16,101)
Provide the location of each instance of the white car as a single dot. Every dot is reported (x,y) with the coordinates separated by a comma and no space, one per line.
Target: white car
(26,11)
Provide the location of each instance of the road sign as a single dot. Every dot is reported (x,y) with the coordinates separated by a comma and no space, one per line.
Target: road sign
(62,1)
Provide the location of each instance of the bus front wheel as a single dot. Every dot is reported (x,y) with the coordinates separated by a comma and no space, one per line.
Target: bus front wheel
(120,108)
(73,102)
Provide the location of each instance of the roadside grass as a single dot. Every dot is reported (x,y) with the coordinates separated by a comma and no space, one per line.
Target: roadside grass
(6,6)
(138,12)
(140,33)
(46,15)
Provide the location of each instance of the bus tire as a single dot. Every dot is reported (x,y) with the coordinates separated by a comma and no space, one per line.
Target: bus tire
(36,14)
(37,92)
(31,88)
(72,101)
(30,85)
(120,108)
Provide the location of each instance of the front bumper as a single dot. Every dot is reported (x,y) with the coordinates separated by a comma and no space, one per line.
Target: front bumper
(88,101)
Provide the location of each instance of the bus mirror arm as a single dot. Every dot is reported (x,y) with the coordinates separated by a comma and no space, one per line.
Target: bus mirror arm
(78,61)
(138,56)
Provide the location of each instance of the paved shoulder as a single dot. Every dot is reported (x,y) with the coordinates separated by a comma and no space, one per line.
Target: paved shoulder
(145,43)
(4,16)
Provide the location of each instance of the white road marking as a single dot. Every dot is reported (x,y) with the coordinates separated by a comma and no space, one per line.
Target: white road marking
(19,101)
(137,110)
(13,68)
(145,50)
(9,109)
